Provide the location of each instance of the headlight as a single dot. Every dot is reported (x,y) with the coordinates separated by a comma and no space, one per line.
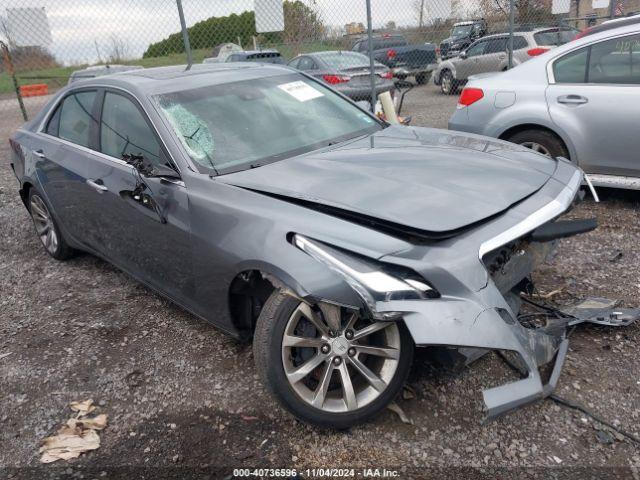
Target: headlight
(372,281)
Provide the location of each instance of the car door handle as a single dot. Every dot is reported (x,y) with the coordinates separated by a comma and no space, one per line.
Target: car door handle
(572,99)
(97,185)
(39,153)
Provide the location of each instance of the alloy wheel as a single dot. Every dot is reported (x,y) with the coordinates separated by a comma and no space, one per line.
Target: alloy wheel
(44,224)
(337,361)
(537,147)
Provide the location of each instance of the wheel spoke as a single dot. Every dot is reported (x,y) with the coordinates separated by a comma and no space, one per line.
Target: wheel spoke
(48,239)
(54,240)
(35,207)
(310,315)
(379,351)
(352,320)
(375,381)
(332,316)
(42,228)
(305,369)
(295,341)
(321,391)
(369,329)
(349,394)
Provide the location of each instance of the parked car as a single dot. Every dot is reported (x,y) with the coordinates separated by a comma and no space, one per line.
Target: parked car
(489,54)
(462,35)
(262,56)
(404,59)
(579,101)
(221,52)
(100,71)
(264,202)
(346,72)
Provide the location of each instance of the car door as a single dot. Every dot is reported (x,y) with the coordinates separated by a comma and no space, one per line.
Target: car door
(144,222)
(494,54)
(61,149)
(594,96)
(468,66)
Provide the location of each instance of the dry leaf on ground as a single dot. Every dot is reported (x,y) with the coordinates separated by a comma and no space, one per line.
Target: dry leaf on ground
(76,436)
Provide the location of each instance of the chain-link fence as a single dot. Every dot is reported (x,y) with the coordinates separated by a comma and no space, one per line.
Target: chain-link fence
(48,43)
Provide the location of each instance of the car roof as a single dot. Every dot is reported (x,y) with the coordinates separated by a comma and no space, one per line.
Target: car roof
(157,80)
(611,24)
(255,52)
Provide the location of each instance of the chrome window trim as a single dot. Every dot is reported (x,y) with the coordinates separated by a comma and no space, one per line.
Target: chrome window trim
(551,77)
(550,211)
(102,155)
(42,127)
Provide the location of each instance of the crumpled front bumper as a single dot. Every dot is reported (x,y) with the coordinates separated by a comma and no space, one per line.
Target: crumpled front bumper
(486,318)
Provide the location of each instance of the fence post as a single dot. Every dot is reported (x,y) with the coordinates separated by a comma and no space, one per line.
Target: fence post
(512,8)
(612,11)
(11,71)
(372,77)
(185,34)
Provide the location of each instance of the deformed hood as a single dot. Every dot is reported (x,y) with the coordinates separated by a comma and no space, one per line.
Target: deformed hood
(425,179)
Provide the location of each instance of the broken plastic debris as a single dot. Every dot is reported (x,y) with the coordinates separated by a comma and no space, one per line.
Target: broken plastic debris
(394,407)
(78,435)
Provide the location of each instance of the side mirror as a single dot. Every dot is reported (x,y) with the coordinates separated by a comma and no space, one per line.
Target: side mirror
(463,54)
(148,169)
(162,171)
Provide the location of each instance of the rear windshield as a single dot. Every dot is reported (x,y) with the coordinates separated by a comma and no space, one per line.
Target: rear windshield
(549,38)
(345,60)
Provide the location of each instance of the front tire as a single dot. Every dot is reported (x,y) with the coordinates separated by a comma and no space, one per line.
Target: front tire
(46,227)
(326,364)
(541,141)
(448,84)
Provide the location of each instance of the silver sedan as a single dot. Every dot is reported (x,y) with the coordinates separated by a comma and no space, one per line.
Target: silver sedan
(578,101)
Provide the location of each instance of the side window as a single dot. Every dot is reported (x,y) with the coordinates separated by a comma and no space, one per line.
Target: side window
(519,43)
(477,49)
(124,130)
(54,122)
(294,63)
(615,61)
(306,63)
(497,45)
(76,118)
(572,68)
(357,46)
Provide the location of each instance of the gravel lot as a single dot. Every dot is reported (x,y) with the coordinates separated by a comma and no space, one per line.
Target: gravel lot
(184,399)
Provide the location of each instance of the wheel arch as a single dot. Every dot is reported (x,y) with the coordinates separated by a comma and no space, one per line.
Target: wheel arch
(256,280)
(508,132)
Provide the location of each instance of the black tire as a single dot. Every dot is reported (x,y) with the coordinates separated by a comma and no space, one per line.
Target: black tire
(422,78)
(448,84)
(61,250)
(549,141)
(267,351)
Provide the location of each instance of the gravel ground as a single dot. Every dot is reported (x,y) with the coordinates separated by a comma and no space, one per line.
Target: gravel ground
(182,396)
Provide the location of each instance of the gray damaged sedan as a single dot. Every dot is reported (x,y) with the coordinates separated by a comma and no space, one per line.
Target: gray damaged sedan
(264,202)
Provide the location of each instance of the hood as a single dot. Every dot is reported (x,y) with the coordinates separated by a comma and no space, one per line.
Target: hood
(426,181)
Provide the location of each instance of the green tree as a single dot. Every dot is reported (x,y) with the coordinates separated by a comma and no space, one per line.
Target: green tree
(301,24)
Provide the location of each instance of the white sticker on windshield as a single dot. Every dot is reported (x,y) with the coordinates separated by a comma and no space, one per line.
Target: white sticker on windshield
(301,91)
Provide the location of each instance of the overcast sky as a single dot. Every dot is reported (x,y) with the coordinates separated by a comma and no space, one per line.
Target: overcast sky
(77,25)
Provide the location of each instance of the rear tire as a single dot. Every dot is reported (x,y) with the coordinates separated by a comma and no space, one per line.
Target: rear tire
(448,84)
(542,141)
(47,228)
(337,405)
